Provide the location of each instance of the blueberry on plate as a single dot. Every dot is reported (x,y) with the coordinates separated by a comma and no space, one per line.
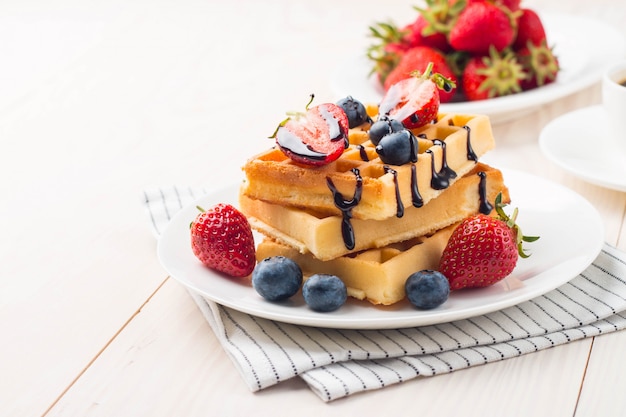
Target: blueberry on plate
(355,110)
(324,292)
(382,127)
(277,278)
(427,289)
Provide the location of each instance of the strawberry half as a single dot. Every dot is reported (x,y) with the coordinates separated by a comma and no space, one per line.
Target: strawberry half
(419,57)
(483,250)
(415,101)
(221,238)
(316,137)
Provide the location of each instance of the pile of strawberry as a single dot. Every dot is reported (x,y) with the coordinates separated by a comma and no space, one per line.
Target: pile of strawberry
(490,48)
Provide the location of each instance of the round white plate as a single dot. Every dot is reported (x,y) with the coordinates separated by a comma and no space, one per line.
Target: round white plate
(546,209)
(583,56)
(580,143)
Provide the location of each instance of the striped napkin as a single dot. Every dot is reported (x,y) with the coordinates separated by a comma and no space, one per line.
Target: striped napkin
(337,363)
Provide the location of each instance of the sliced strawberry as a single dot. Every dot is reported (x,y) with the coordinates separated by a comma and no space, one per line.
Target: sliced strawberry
(316,137)
(415,101)
(419,57)
(221,238)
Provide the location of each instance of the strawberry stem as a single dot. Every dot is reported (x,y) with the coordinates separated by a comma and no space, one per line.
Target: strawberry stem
(440,81)
(510,222)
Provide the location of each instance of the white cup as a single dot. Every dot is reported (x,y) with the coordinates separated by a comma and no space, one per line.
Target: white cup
(614,103)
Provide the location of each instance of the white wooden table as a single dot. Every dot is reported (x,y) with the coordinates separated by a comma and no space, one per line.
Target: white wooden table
(99,100)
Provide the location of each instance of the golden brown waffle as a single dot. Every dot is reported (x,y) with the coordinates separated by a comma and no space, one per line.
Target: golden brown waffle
(376,275)
(321,235)
(455,140)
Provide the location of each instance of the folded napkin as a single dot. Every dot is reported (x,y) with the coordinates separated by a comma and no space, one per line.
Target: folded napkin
(336,363)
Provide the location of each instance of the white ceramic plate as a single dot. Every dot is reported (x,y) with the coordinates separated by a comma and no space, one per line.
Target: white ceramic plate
(580,143)
(546,209)
(583,56)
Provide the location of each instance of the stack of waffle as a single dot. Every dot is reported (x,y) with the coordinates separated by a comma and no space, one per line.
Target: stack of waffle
(369,223)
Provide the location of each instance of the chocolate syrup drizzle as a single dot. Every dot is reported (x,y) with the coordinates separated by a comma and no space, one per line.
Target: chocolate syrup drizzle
(485,206)
(416,197)
(471,155)
(399,204)
(440,180)
(346,207)
(362,153)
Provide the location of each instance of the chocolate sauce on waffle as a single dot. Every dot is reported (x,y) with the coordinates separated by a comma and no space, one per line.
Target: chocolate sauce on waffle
(346,207)
(416,197)
(399,205)
(471,155)
(363,153)
(440,179)
(485,206)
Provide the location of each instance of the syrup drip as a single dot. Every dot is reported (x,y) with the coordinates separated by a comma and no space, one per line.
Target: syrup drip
(413,142)
(416,197)
(346,207)
(399,204)
(471,156)
(440,179)
(485,206)
(362,153)
(445,169)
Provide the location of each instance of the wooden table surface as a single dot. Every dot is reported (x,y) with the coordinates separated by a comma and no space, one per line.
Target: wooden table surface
(100,100)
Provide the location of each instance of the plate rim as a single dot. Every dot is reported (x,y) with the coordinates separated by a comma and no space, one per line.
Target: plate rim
(421,318)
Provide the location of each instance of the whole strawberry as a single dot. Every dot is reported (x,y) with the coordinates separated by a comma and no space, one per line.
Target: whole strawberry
(529,29)
(415,101)
(481,25)
(483,250)
(315,137)
(493,75)
(387,48)
(221,238)
(417,58)
(540,65)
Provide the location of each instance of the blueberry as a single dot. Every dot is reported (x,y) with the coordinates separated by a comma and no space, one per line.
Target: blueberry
(427,289)
(398,148)
(277,278)
(355,110)
(324,292)
(383,126)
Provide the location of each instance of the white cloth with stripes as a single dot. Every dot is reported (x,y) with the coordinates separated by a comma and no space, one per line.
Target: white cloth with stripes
(337,363)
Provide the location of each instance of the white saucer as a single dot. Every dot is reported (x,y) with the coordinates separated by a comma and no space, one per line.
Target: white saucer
(580,143)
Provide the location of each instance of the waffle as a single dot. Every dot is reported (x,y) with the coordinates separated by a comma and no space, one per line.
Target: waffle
(320,235)
(454,142)
(376,275)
